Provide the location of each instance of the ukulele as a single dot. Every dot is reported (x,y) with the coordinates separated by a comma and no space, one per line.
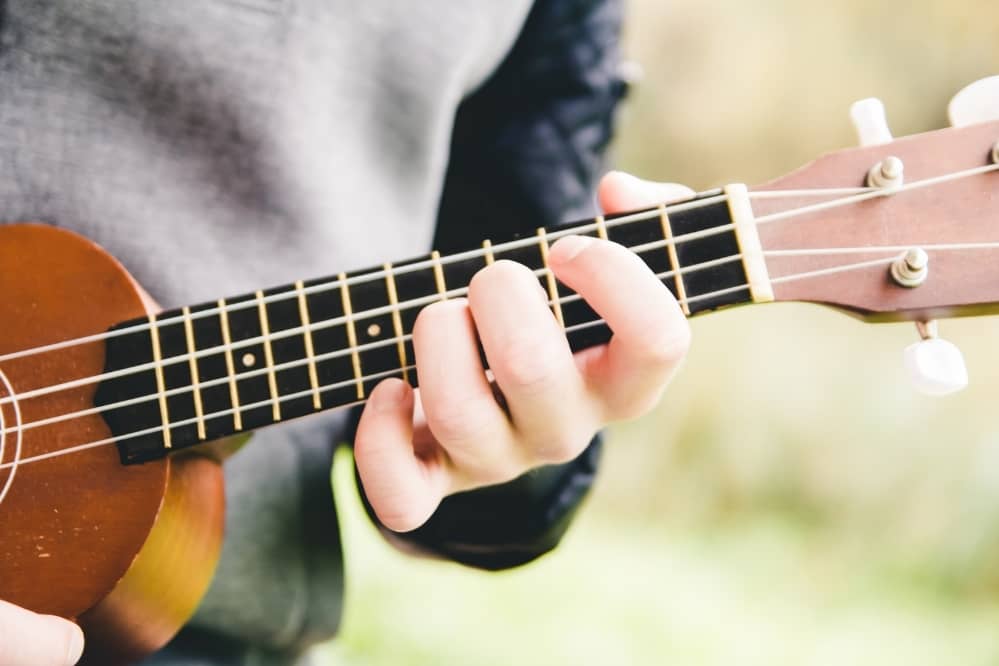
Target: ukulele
(109,512)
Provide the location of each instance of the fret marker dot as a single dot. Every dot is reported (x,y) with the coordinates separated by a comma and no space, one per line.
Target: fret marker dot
(374,330)
(249,360)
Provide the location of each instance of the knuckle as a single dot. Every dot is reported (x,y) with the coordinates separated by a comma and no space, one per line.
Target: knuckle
(526,365)
(490,462)
(458,421)
(561,449)
(634,406)
(667,348)
(496,471)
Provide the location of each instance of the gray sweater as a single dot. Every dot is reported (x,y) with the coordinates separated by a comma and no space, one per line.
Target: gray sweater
(221,146)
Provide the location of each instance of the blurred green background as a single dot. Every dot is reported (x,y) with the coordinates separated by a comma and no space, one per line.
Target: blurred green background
(793,500)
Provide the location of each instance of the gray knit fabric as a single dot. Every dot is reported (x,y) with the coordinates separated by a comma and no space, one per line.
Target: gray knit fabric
(219,146)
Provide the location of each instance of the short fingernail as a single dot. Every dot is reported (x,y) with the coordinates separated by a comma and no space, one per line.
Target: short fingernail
(75,646)
(390,397)
(566,249)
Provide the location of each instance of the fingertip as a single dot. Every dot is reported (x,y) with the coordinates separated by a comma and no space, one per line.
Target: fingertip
(28,638)
(564,250)
(75,643)
(430,315)
(408,518)
(402,487)
(620,191)
(391,395)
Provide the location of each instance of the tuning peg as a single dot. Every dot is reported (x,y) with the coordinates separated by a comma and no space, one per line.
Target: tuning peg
(977,103)
(868,116)
(935,366)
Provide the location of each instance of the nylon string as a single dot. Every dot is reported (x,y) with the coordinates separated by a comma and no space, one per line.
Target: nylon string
(864,194)
(351,381)
(859,194)
(380,274)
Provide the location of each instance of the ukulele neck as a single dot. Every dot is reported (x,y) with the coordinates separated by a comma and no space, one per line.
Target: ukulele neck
(195,374)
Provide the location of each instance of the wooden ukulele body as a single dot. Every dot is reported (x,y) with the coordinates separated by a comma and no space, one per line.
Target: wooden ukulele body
(127,551)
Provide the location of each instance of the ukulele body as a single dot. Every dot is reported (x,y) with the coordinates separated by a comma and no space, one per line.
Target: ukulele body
(127,551)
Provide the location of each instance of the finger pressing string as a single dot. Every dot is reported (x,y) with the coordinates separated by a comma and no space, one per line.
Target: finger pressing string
(389,373)
(864,195)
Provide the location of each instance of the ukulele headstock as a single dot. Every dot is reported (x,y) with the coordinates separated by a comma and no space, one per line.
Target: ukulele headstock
(896,229)
(837,247)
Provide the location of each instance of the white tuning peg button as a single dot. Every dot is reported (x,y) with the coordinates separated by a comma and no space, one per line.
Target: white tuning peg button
(936,367)
(977,103)
(868,116)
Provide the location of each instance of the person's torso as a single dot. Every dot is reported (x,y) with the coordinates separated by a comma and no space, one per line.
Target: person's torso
(225,145)
(221,146)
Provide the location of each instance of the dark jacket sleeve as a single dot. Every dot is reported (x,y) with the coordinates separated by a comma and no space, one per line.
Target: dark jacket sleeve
(527,150)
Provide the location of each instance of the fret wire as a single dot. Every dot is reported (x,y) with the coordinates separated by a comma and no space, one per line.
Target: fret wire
(435,257)
(199,411)
(224,412)
(331,355)
(228,346)
(310,350)
(152,430)
(265,331)
(222,307)
(550,278)
(333,284)
(601,227)
(681,290)
(584,228)
(396,319)
(154,334)
(237,416)
(487,247)
(348,316)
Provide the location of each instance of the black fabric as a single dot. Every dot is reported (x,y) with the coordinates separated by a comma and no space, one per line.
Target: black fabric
(528,146)
(527,151)
(507,525)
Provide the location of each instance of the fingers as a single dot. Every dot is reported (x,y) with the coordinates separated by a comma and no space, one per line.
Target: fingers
(458,401)
(404,486)
(30,639)
(619,191)
(555,401)
(651,335)
(472,436)
(532,363)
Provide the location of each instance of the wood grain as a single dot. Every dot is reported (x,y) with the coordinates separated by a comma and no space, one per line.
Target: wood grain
(962,211)
(72,526)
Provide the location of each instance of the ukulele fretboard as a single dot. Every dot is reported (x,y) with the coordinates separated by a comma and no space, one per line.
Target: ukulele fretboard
(195,374)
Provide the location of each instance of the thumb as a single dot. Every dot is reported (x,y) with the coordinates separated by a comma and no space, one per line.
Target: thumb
(619,191)
(30,639)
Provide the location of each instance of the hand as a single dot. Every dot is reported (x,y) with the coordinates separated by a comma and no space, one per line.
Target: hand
(415,447)
(30,639)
